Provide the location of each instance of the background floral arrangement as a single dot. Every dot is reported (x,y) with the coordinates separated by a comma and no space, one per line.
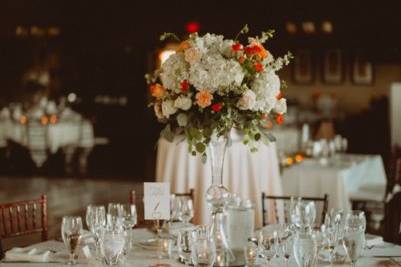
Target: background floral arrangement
(212,85)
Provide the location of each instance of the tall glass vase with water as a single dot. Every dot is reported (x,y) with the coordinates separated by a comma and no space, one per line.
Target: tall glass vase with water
(217,196)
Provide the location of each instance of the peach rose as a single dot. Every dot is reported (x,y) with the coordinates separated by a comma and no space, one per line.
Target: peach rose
(192,55)
(184,45)
(204,98)
(157,90)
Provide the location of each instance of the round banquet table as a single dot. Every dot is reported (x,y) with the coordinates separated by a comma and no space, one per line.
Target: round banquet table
(245,173)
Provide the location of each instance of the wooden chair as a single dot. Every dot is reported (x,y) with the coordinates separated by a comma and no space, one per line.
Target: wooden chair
(286,201)
(24,218)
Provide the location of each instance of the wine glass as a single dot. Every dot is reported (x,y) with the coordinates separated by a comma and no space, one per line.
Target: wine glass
(185,209)
(114,215)
(305,248)
(71,230)
(355,220)
(112,244)
(129,219)
(286,248)
(328,241)
(303,214)
(267,245)
(354,242)
(95,218)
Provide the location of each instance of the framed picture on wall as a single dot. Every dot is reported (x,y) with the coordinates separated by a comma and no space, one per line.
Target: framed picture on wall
(362,70)
(302,68)
(333,67)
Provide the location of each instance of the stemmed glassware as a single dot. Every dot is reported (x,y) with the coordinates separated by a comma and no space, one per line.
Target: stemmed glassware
(112,246)
(129,218)
(303,214)
(305,248)
(354,235)
(71,231)
(96,222)
(114,215)
(185,209)
(267,245)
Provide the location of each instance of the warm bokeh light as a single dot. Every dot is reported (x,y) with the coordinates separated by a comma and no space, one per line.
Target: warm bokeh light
(44,120)
(308,27)
(192,27)
(327,27)
(298,158)
(289,161)
(165,54)
(291,27)
(53,119)
(23,119)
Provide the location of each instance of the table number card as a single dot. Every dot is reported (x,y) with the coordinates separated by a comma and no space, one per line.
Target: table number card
(157,201)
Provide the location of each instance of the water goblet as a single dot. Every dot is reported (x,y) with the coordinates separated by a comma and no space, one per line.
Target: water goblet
(112,245)
(71,230)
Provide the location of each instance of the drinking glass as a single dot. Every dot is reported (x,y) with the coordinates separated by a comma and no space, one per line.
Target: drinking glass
(203,252)
(305,249)
(112,245)
(286,246)
(129,219)
(95,218)
(354,242)
(185,240)
(303,214)
(355,220)
(71,230)
(114,215)
(267,245)
(328,241)
(185,209)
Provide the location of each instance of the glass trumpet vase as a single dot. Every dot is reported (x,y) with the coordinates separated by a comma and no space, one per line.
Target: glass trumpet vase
(217,196)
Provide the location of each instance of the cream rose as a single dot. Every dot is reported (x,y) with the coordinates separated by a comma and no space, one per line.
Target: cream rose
(182,119)
(183,103)
(281,106)
(168,108)
(192,55)
(247,101)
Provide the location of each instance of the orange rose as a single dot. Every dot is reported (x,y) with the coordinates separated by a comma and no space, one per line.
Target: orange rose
(184,45)
(157,90)
(204,98)
(256,49)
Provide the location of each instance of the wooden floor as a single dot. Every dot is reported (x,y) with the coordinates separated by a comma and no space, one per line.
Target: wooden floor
(67,196)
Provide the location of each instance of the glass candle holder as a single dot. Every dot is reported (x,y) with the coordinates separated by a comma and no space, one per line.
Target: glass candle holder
(165,248)
(251,252)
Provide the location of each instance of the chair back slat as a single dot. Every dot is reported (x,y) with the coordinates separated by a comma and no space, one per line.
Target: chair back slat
(286,200)
(22,218)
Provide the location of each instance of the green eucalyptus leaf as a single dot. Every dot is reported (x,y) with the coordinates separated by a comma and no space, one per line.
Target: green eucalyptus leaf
(200,147)
(167,133)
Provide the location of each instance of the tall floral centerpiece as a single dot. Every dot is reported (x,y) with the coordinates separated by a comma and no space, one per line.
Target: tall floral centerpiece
(210,86)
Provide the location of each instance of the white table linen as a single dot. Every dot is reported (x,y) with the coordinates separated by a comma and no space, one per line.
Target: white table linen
(287,139)
(339,180)
(245,174)
(144,258)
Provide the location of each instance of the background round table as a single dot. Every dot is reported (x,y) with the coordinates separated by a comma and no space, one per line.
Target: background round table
(245,173)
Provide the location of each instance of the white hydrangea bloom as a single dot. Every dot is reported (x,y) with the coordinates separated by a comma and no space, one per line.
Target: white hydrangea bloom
(182,119)
(183,102)
(168,108)
(215,72)
(173,71)
(266,87)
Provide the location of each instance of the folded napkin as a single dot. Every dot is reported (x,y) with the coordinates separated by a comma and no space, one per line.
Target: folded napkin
(28,254)
(373,240)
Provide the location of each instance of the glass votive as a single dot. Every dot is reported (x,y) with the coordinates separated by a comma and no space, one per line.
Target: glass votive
(165,247)
(251,252)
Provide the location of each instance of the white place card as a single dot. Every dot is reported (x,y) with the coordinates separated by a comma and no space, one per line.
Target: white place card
(157,201)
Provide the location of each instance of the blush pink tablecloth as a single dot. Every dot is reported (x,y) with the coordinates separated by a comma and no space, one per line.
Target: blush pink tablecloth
(245,174)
